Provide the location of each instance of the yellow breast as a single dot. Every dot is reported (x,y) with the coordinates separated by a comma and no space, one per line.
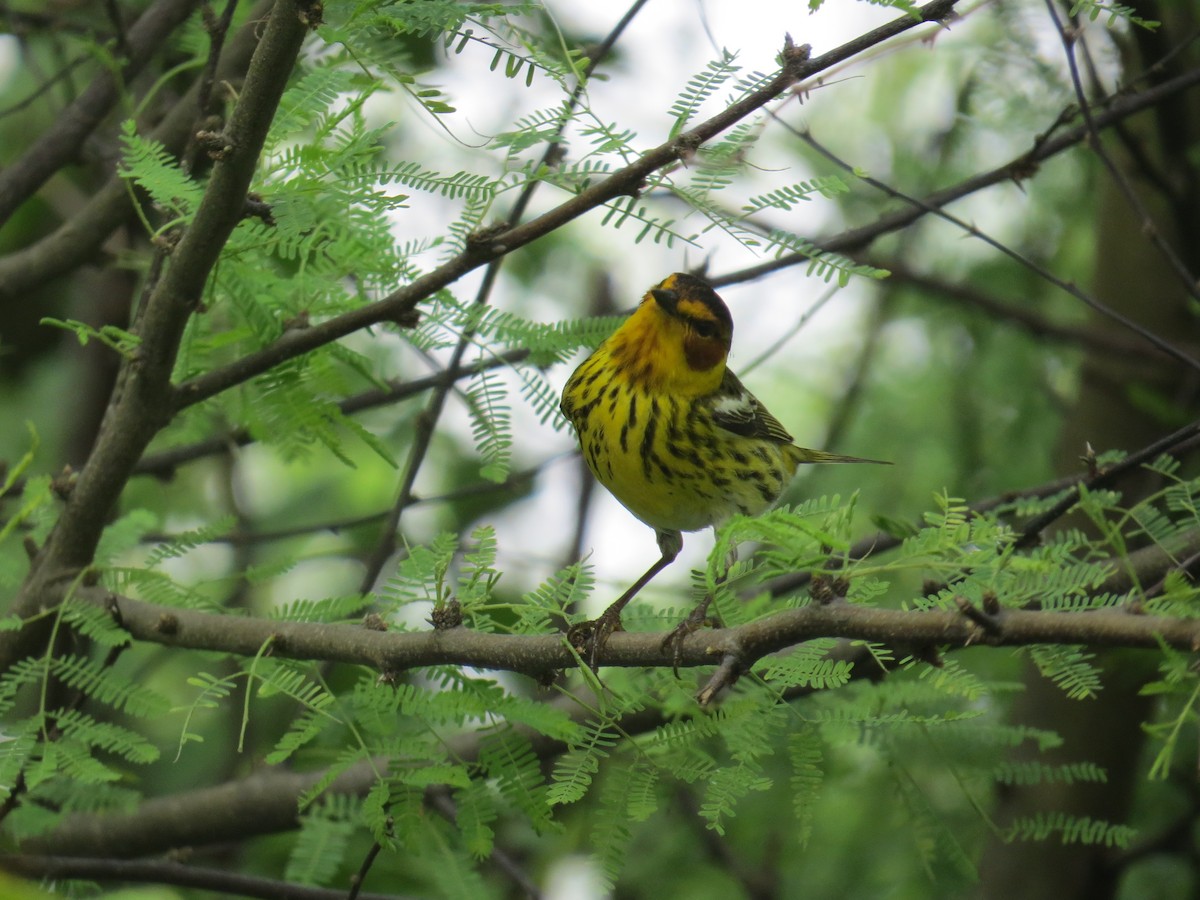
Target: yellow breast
(663,457)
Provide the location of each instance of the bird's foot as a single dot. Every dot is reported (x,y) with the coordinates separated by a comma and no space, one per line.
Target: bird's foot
(589,638)
(697,619)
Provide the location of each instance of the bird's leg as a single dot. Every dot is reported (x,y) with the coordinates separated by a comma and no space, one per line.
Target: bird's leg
(696,619)
(594,634)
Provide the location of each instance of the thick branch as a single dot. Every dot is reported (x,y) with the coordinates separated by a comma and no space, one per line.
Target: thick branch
(266,801)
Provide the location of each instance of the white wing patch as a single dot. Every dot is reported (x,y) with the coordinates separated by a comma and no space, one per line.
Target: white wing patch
(738,413)
(737,410)
(741,407)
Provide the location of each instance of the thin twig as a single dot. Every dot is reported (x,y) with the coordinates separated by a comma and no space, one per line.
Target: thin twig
(220,881)
(881,542)
(439,799)
(1152,231)
(217,30)
(515,481)
(759,877)
(1033,528)
(164,463)
(1029,321)
(37,93)
(847,405)
(357,879)
(1022,167)
(1041,271)
(119,35)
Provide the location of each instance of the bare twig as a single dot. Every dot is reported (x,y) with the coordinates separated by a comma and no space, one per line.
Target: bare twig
(441,801)
(1068,38)
(59,144)
(1022,167)
(38,92)
(217,28)
(357,879)
(1029,321)
(1033,528)
(516,481)
(220,881)
(1041,271)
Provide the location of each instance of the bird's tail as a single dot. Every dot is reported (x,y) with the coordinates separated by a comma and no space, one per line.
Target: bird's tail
(802,455)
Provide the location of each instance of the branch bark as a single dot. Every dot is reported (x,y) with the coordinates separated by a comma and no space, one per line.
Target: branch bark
(541,655)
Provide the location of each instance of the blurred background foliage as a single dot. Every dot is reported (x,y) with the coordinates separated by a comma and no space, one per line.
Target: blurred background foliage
(962,368)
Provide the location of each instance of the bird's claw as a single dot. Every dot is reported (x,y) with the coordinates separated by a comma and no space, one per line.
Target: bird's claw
(697,619)
(589,638)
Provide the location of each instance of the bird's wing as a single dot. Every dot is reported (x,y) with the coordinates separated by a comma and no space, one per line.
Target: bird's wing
(736,409)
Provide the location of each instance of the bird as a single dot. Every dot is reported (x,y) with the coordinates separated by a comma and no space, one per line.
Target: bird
(673,434)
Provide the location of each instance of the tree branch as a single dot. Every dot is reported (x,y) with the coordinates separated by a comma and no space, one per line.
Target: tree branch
(540,655)
(1041,271)
(59,144)
(1033,529)
(167,872)
(1017,170)
(1031,322)
(1068,37)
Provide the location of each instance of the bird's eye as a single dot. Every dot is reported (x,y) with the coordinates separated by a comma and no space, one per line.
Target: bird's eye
(705,329)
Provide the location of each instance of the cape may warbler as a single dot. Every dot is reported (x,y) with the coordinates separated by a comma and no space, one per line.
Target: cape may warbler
(672,433)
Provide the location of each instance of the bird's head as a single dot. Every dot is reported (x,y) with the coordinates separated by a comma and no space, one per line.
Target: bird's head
(693,317)
(678,338)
